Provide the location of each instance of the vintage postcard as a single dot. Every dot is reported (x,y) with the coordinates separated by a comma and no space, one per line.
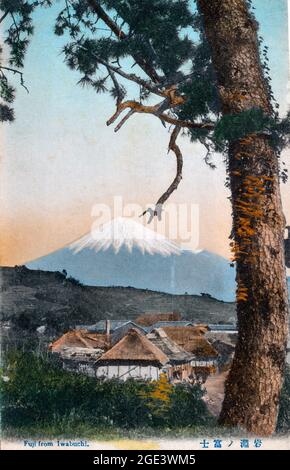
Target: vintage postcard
(145,227)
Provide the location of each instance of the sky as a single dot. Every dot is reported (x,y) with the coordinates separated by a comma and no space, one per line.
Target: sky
(59,161)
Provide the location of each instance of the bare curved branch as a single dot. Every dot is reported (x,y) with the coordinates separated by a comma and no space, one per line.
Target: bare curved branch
(175,183)
(179,165)
(155,110)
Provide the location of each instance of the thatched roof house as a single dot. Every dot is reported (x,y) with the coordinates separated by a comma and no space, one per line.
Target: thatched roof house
(134,348)
(192,342)
(134,356)
(175,353)
(80,339)
(78,351)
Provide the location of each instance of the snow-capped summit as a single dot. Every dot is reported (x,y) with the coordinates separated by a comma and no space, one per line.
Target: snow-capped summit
(125,232)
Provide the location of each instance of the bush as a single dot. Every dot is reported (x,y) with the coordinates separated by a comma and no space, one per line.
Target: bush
(283,423)
(36,390)
(74,281)
(188,407)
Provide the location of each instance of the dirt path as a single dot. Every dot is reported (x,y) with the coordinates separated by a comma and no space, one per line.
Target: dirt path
(215,392)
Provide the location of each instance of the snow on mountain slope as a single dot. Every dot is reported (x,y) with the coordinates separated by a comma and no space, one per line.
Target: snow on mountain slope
(122,232)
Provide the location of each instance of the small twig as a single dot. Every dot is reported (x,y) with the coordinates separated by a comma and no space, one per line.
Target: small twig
(16,27)
(182,79)
(4,16)
(120,94)
(125,118)
(68,13)
(15,71)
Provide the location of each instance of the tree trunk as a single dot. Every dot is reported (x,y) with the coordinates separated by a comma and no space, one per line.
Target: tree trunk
(254,382)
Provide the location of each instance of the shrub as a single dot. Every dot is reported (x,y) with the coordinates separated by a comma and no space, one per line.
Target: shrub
(36,390)
(74,281)
(188,407)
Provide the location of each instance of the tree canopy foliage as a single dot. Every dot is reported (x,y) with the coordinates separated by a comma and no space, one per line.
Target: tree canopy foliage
(151,57)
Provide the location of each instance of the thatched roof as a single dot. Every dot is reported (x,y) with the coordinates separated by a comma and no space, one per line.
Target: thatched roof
(81,339)
(224,349)
(134,347)
(201,328)
(148,319)
(188,339)
(176,354)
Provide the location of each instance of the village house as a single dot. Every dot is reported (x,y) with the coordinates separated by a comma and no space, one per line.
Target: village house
(80,360)
(223,338)
(179,368)
(80,339)
(133,356)
(192,340)
(78,350)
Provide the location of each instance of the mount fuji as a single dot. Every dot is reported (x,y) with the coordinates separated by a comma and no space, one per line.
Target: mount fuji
(125,253)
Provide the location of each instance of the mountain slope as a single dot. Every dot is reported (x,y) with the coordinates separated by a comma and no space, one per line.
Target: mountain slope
(176,274)
(33,298)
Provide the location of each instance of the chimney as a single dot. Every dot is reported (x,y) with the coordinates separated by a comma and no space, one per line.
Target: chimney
(108,327)
(108,331)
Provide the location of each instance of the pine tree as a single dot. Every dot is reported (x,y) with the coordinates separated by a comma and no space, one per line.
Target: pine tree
(216,91)
(16,24)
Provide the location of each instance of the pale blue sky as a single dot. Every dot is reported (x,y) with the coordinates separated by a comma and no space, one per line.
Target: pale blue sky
(59,158)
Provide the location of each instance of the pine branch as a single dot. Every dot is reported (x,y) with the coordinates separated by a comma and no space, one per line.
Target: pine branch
(179,165)
(120,94)
(143,64)
(4,16)
(16,27)
(155,110)
(129,76)
(94,4)
(175,183)
(125,118)
(172,99)
(18,72)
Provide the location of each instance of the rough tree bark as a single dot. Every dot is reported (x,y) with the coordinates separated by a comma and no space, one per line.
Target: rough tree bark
(254,382)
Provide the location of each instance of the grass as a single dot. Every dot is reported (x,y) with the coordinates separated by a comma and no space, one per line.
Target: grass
(110,433)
